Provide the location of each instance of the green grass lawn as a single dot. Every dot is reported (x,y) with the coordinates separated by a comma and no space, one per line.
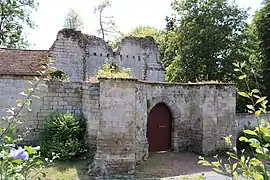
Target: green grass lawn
(76,169)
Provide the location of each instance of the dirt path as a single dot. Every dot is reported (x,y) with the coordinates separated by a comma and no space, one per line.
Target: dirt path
(169,164)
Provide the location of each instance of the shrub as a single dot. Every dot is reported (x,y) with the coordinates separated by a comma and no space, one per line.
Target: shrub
(258,137)
(114,71)
(111,71)
(63,136)
(59,75)
(242,144)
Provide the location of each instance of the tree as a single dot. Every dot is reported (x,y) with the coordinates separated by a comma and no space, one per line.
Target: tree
(166,41)
(143,31)
(107,25)
(73,20)
(262,24)
(210,39)
(14,16)
(253,65)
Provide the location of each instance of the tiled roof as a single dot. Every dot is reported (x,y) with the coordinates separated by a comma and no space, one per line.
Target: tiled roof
(21,62)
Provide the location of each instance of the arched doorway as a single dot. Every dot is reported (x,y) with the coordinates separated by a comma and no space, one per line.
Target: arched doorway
(159,128)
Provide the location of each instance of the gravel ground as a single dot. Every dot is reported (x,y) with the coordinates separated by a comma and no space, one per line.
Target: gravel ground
(171,166)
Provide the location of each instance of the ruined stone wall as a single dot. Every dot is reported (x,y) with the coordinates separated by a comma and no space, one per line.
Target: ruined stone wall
(183,102)
(218,104)
(91,111)
(141,55)
(80,56)
(116,137)
(116,112)
(202,115)
(10,89)
(9,92)
(56,97)
(69,54)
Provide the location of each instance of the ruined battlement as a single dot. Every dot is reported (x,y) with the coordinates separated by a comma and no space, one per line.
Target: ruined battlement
(80,56)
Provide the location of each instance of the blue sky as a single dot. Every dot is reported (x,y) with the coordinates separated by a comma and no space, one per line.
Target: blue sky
(128,14)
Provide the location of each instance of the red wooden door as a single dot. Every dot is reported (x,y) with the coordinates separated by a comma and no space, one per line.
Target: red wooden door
(159,128)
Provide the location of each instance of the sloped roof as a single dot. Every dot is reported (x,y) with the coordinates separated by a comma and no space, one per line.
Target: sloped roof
(21,62)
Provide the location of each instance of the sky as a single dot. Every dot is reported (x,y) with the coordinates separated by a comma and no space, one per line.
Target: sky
(128,14)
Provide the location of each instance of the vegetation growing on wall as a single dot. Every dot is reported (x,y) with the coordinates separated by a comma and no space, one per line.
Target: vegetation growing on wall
(111,71)
(73,20)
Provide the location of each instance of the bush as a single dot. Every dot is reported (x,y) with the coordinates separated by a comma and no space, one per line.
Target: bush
(63,136)
(242,144)
(111,71)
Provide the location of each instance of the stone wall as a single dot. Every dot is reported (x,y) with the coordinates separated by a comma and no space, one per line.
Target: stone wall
(56,97)
(116,137)
(91,111)
(245,119)
(141,55)
(202,115)
(10,89)
(116,114)
(69,56)
(9,92)
(80,56)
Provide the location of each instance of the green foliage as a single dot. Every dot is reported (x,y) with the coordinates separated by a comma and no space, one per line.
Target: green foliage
(262,25)
(62,126)
(73,20)
(22,162)
(258,137)
(242,144)
(210,37)
(64,150)
(111,71)
(59,75)
(169,46)
(15,15)
(173,71)
(11,168)
(144,31)
(63,136)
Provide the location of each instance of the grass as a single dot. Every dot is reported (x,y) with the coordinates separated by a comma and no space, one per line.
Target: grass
(76,169)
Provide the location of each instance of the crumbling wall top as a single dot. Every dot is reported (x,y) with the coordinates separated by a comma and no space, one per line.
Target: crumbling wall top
(147,42)
(84,40)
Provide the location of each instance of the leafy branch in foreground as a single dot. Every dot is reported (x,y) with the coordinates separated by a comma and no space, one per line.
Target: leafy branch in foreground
(254,165)
(22,162)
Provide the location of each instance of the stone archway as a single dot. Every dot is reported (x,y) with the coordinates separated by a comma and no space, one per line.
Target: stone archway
(159,128)
(175,113)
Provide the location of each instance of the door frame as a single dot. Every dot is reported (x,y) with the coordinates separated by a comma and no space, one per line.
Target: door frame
(149,108)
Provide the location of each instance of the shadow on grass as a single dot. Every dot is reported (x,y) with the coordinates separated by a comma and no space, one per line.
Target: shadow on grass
(74,169)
